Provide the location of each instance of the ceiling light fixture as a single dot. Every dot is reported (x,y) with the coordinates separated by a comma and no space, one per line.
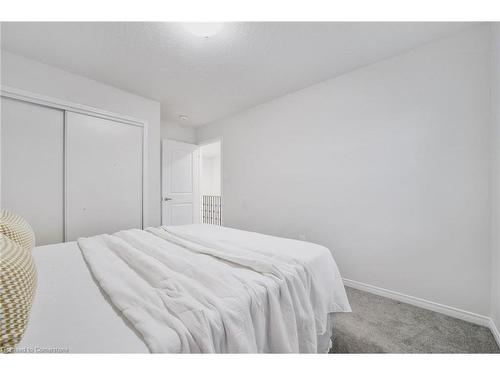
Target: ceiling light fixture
(183,117)
(203,29)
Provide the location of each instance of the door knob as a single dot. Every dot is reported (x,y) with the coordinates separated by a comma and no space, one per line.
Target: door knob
(167,199)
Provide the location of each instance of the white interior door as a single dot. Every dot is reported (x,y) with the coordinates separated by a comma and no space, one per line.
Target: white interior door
(32,166)
(180,197)
(103,176)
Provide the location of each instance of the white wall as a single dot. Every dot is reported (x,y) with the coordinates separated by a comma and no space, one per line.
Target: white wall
(210,175)
(25,74)
(495,282)
(388,166)
(176,132)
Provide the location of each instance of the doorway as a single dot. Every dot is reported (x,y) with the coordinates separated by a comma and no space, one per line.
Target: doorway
(211,182)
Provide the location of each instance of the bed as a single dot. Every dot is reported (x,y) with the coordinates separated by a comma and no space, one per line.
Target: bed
(193,288)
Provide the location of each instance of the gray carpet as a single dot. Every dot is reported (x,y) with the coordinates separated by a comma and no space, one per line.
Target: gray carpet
(382,325)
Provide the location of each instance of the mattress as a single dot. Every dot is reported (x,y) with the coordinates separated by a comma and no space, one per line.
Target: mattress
(71,314)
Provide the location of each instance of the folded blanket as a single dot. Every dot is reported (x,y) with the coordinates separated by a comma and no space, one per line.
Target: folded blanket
(327,288)
(190,292)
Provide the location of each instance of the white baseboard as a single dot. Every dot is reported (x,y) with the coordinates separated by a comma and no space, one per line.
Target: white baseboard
(494,331)
(429,305)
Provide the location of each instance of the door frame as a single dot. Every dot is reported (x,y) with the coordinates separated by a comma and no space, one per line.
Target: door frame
(206,142)
(64,105)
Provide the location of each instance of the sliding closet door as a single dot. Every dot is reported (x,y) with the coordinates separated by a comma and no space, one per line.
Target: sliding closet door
(103,176)
(32,166)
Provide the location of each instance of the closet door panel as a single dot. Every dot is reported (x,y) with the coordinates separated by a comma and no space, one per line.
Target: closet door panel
(32,166)
(103,176)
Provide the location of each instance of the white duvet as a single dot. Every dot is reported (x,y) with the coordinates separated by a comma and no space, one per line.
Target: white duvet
(208,289)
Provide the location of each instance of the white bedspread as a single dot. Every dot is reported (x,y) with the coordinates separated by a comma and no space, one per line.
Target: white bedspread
(211,289)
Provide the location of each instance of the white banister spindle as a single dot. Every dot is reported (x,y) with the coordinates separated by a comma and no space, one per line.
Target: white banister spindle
(211,209)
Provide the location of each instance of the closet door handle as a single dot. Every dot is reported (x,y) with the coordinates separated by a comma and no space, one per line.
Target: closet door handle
(167,199)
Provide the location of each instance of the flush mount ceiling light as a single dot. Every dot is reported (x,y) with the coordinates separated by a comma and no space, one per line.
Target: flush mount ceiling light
(183,117)
(203,29)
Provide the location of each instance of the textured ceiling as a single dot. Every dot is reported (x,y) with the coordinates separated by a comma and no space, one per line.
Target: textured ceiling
(207,79)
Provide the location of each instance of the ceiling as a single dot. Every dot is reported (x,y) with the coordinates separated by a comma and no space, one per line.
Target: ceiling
(207,79)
